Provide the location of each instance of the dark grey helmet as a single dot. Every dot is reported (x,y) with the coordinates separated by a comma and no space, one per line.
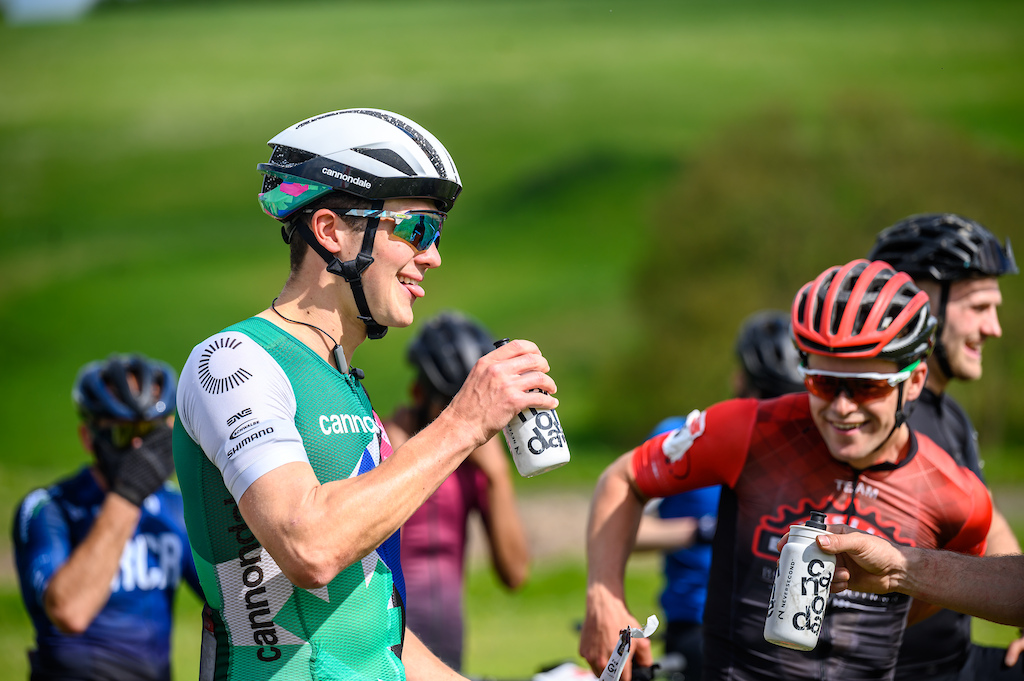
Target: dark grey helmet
(766,352)
(943,247)
(102,389)
(446,350)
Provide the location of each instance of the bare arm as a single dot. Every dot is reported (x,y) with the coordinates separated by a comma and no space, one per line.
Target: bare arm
(423,665)
(665,534)
(1000,541)
(614,517)
(296,518)
(81,587)
(510,553)
(988,587)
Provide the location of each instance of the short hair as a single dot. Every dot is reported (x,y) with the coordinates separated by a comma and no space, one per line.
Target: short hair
(339,202)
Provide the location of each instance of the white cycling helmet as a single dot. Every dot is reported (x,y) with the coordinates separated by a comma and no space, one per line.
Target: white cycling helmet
(369,153)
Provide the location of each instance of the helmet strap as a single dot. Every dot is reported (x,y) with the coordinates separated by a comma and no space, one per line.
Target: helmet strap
(352,270)
(941,356)
(901,418)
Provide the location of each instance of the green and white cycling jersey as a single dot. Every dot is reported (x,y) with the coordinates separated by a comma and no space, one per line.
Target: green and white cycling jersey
(250,399)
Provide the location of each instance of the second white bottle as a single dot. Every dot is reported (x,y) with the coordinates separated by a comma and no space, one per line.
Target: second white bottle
(796,609)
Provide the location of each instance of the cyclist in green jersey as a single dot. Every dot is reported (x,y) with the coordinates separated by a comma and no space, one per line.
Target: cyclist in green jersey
(293,497)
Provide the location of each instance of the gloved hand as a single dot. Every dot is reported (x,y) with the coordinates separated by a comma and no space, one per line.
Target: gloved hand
(706,526)
(144,469)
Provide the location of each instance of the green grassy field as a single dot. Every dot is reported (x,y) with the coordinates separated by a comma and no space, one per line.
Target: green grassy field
(639,176)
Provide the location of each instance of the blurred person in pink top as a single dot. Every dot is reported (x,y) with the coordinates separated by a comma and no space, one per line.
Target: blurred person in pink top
(434,538)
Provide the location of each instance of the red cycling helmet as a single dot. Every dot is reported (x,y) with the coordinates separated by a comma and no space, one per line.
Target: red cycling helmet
(864,309)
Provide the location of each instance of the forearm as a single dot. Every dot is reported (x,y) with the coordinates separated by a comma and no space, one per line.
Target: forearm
(314,531)
(611,528)
(510,552)
(423,665)
(665,534)
(81,587)
(989,587)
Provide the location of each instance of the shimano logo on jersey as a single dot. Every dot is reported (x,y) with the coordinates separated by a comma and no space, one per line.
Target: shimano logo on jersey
(148,562)
(347,423)
(346,178)
(249,439)
(264,631)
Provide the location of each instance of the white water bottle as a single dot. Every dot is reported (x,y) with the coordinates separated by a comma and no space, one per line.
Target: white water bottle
(535,439)
(796,609)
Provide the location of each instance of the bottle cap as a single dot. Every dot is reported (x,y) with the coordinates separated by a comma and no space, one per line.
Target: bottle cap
(499,343)
(817,520)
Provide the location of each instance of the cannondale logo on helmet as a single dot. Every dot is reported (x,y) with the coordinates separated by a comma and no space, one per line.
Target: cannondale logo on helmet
(346,178)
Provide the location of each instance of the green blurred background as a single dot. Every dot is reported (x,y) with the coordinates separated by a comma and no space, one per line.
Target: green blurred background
(639,176)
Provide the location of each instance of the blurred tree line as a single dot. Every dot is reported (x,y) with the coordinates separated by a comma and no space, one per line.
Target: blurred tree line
(769,204)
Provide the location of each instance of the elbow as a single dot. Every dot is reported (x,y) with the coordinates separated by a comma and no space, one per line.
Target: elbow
(69,621)
(513,574)
(307,574)
(315,568)
(516,578)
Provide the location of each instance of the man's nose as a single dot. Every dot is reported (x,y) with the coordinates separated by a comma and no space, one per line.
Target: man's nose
(843,402)
(990,326)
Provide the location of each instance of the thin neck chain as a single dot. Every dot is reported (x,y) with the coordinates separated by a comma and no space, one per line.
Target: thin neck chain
(339,355)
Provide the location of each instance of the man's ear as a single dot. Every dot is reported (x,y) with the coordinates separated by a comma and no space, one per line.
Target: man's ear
(915,384)
(328,229)
(85,436)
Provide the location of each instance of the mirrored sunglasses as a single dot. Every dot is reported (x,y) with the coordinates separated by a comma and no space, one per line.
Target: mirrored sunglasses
(419,228)
(859,387)
(123,432)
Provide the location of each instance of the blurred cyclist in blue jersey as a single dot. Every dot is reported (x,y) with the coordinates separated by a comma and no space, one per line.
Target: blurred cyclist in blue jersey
(100,554)
(957,262)
(683,525)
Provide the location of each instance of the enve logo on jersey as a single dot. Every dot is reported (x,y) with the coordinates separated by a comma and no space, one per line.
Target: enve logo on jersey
(245,426)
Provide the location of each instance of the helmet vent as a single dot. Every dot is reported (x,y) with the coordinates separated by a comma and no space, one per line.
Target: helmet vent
(388,158)
(416,136)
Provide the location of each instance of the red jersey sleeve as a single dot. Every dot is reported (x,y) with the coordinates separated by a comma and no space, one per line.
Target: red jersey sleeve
(710,449)
(972,535)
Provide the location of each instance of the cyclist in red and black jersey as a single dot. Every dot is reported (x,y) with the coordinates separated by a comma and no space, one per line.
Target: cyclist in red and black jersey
(863,331)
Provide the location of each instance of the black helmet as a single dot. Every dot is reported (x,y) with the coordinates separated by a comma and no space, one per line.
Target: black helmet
(102,389)
(445,351)
(944,247)
(766,352)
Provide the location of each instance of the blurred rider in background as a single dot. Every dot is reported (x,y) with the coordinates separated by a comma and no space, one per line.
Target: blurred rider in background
(434,538)
(100,554)
(957,262)
(683,525)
